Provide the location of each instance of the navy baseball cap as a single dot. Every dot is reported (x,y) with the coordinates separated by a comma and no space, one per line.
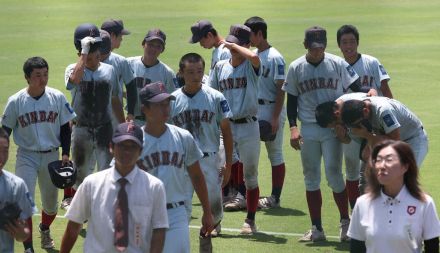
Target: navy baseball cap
(106,45)
(154,92)
(155,34)
(128,131)
(239,34)
(114,26)
(315,37)
(199,30)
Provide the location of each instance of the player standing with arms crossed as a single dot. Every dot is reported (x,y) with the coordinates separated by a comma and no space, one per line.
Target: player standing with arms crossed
(38,116)
(270,104)
(312,79)
(168,153)
(147,69)
(237,79)
(205,113)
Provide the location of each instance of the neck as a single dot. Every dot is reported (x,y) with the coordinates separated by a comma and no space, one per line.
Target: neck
(35,92)
(237,60)
(155,129)
(218,41)
(393,190)
(124,169)
(92,67)
(351,60)
(192,89)
(263,46)
(149,62)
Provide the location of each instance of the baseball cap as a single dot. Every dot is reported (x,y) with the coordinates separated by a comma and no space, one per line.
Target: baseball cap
(128,131)
(86,30)
(154,92)
(106,45)
(114,26)
(239,34)
(155,34)
(199,30)
(315,37)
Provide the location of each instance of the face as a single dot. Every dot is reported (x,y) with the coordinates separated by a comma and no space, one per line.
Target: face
(93,60)
(158,112)
(152,49)
(126,153)
(388,168)
(348,45)
(315,54)
(38,79)
(116,40)
(192,73)
(4,152)
(254,39)
(207,41)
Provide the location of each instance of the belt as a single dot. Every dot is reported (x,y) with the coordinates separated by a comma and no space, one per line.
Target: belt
(140,118)
(265,102)
(47,151)
(207,154)
(244,120)
(175,204)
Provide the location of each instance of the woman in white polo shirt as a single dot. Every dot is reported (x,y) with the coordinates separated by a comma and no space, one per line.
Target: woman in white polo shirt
(394,215)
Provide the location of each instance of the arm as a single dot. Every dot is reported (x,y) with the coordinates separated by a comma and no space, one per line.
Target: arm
(70,236)
(157,240)
(341,133)
(385,88)
(18,230)
(279,102)
(245,52)
(292,111)
(198,181)
(372,138)
(78,71)
(117,109)
(356,86)
(65,138)
(228,144)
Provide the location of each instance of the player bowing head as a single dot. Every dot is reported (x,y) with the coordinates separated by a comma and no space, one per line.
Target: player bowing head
(156,102)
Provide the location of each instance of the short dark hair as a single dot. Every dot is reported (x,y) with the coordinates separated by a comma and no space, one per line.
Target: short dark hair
(192,58)
(352,111)
(257,24)
(4,134)
(324,113)
(32,63)
(406,157)
(347,29)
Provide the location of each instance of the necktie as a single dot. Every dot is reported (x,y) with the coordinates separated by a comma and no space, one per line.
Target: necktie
(121,217)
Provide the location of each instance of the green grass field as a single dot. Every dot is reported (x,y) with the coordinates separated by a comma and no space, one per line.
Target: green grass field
(402,34)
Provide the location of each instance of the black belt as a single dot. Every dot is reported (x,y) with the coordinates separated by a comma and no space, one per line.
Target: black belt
(175,204)
(206,154)
(244,120)
(47,151)
(265,102)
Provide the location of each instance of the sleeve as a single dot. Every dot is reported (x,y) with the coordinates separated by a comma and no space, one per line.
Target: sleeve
(348,74)
(431,224)
(213,77)
(9,118)
(68,73)
(289,85)
(24,200)
(388,120)
(159,219)
(66,111)
(127,72)
(279,71)
(382,73)
(80,210)
(225,110)
(355,229)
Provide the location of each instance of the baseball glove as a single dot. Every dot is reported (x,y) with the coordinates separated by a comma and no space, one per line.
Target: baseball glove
(266,131)
(8,214)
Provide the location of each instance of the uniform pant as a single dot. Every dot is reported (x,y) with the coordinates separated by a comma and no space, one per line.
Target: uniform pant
(352,160)
(321,143)
(274,148)
(419,146)
(32,166)
(90,146)
(177,235)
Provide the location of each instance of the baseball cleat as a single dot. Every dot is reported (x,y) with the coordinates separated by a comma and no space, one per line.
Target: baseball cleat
(343,229)
(268,202)
(216,232)
(65,204)
(46,239)
(249,227)
(237,204)
(313,235)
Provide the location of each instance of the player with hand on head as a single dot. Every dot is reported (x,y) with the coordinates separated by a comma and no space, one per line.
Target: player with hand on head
(115,27)
(205,113)
(95,89)
(169,152)
(147,68)
(38,117)
(237,79)
(124,206)
(14,191)
(312,79)
(270,105)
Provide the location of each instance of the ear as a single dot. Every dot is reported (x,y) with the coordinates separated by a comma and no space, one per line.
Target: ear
(366,112)
(305,45)
(27,78)
(110,148)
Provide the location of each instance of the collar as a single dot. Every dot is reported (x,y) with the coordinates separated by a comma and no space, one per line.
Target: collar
(130,177)
(387,200)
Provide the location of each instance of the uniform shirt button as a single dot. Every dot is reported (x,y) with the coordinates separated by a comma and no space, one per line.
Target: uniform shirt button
(389,221)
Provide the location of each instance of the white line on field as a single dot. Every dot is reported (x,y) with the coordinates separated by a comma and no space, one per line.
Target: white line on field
(238,230)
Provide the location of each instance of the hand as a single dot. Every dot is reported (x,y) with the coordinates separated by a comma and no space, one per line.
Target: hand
(207,223)
(371,93)
(360,131)
(295,138)
(86,43)
(226,173)
(228,45)
(340,131)
(129,117)
(65,159)
(18,230)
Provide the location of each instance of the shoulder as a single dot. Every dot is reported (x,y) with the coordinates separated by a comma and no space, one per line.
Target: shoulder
(53,91)
(9,176)
(18,94)
(334,58)
(369,58)
(174,130)
(274,53)
(164,66)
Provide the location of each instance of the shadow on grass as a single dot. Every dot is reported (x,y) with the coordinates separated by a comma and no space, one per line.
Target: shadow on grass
(282,212)
(259,237)
(52,251)
(338,246)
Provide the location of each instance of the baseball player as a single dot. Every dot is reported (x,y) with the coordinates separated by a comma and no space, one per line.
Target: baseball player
(38,117)
(270,104)
(237,79)
(13,190)
(204,112)
(169,153)
(147,69)
(371,72)
(115,27)
(98,197)
(95,89)
(388,119)
(312,79)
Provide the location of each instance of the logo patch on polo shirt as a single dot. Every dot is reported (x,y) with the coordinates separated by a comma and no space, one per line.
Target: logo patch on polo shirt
(388,120)
(411,210)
